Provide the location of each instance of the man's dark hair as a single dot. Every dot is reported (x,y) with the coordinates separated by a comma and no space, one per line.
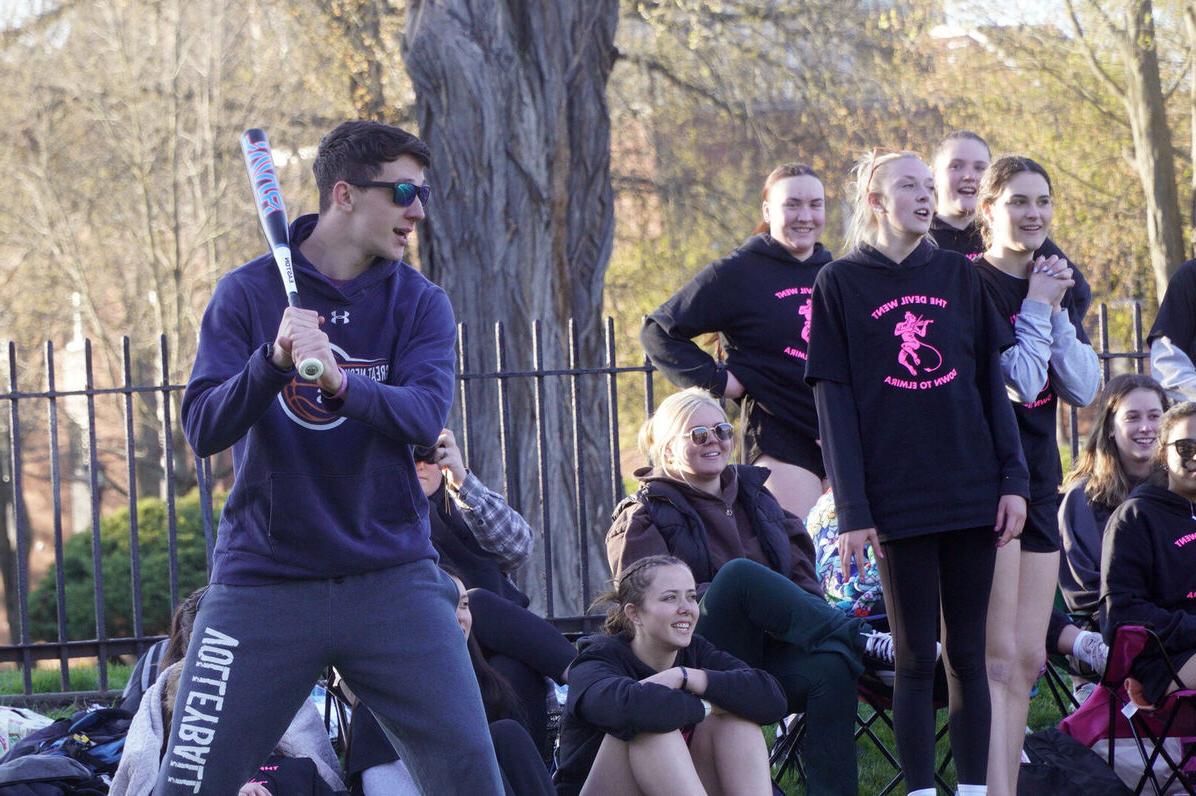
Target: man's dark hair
(355,152)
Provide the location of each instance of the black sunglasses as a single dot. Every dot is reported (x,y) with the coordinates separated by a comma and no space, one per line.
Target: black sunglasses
(404,192)
(699,434)
(1186,448)
(424,453)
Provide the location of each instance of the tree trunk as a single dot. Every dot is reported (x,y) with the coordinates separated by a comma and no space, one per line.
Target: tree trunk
(520,228)
(1152,144)
(1190,28)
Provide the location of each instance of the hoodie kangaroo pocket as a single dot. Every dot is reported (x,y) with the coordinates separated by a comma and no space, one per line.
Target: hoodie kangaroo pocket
(336,522)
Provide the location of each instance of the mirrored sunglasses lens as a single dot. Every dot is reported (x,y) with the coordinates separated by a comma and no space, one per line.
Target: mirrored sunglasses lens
(405,193)
(699,435)
(1186,448)
(724,431)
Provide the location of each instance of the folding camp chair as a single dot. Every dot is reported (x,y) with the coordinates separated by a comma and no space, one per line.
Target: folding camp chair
(1110,714)
(875,703)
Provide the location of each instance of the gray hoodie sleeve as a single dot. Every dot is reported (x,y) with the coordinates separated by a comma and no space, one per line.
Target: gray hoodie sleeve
(1075,364)
(1172,368)
(1025,363)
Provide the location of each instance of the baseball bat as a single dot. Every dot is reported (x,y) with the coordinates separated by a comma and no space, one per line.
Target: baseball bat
(267,195)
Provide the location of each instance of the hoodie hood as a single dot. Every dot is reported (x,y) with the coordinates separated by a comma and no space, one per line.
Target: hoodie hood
(1164,498)
(767,246)
(313,279)
(870,256)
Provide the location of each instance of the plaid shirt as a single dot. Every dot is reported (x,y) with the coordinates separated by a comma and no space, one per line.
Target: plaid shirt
(498,528)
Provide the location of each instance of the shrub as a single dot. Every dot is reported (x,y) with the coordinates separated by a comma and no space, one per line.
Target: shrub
(117,577)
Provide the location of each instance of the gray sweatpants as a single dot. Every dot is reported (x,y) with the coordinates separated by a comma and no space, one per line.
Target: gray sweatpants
(256,651)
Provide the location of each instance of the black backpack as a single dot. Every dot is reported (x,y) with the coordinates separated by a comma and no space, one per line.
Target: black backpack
(1062,766)
(95,738)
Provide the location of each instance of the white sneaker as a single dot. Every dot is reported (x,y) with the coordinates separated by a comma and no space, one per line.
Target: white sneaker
(1091,650)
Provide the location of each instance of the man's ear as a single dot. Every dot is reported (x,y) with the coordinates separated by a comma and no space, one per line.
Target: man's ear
(342,196)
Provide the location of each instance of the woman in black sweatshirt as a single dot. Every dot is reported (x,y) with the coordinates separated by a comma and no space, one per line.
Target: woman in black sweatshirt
(1050,360)
(653,708)
(1117,457)
(1148,566)
(758,301)
(960,161)
(921,446)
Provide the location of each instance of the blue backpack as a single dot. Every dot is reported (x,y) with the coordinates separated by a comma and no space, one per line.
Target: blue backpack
(95,738)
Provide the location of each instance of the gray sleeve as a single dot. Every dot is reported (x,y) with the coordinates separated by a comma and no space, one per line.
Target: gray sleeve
(1024,364)
(1172,368)
(1075,364)
(306,737)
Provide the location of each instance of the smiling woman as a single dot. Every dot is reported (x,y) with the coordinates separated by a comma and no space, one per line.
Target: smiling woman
(653,708)
(757,299)
(1050,359)
(1148,567)
(754,566)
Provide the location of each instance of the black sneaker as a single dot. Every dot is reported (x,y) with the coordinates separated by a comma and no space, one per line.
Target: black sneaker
(879,655)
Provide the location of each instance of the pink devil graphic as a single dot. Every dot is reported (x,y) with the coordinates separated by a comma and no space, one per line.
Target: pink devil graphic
(910,330)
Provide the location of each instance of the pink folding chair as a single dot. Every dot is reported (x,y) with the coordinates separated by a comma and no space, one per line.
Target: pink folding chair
(1110,713)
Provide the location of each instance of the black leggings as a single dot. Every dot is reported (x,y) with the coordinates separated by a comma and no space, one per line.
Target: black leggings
(913,571)
(524,648)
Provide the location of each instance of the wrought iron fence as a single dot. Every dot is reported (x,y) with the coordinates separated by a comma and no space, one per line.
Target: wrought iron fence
(26,451)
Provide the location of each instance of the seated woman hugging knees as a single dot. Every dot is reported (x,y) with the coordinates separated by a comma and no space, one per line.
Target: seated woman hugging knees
(654,709)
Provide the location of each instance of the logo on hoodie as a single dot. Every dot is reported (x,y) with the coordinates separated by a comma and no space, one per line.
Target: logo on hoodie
(304,403)
(803,311)
(920,361)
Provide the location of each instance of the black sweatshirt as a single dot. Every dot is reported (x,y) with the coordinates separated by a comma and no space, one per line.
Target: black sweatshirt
(1082,526)
(1035,419)
(917,429)
(606,698)
(1177,313)
(970,244)
(757,299)
(1148,567)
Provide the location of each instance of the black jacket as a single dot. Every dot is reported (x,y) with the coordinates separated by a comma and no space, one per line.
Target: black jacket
(606,697)
(1148,567)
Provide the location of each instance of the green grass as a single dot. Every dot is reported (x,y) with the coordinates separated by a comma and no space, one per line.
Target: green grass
(48,681)
(875,772)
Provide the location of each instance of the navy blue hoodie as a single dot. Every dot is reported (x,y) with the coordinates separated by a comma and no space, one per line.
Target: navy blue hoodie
(324,488)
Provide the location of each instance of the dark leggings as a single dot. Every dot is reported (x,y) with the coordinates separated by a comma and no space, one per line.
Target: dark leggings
(523,773)
(524,648)
(913,571)
(1059,622)
(811,647)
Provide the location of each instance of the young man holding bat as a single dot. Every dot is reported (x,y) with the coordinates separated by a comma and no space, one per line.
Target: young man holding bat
(323,554)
